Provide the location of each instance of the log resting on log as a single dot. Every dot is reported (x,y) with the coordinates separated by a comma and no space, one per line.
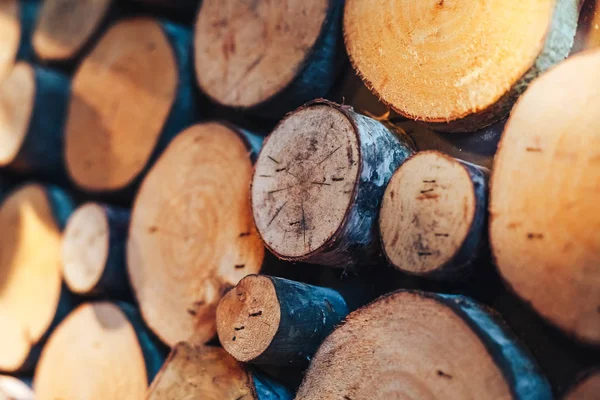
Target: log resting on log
(121,359)
(210,373)
(33,300)
(544,197)
(32,121)
(275,321)
(422,346)
(268,57)
(457,65)
(319,181)
(93,251)
(131,95)
(191,236)
(433,217)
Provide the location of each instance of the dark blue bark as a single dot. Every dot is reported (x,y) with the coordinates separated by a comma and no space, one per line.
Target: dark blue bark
(266,388)
(28,12)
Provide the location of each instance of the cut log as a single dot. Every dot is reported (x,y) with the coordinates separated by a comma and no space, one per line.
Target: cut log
(191,236)
(422,346)
(64,27)
(93,251)
(110,143)
(586,389)
(544,198)
(268,57)
(10,32)
(32,118)
(275,321)
(12,388)
(194,372)
(32,300)
(433,216)
(120,358)
(319,181)
(457,65)
(588,29)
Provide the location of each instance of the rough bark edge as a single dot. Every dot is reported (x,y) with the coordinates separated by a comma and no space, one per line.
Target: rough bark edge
(557,45)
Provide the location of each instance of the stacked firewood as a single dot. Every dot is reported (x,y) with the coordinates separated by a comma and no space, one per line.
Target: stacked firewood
(317,199)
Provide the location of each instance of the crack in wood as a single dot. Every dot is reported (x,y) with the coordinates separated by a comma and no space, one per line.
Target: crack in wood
(277,213)
(274,160)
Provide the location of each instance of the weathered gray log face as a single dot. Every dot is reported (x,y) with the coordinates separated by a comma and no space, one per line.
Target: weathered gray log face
(275,321)
(319,181)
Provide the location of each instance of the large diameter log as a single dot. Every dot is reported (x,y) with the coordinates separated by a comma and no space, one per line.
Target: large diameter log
(103,350)
(422,346)
(586,389)
(275,321)
(268,57)
(544,198)
(191,236)
(93,251)
(130,96)
(319,181)
(12,388)
(433,216)
(457,65)
(32,121)
(64,27)
(33,299)
(210,373)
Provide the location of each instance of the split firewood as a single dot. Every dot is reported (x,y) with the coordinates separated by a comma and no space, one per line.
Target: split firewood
(268,57)
(120,358)
(192,237)
(433,217)
(65,27)
(275,321)
(456,65)
(12,388)
(93,251)
(33,299)
(544,198)
(109,144)
(210,373)
(421,345)
(33,109)
(319,181)
(586,389)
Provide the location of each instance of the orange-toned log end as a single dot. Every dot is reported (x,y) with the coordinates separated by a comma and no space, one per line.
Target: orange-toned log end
(114,366)
(414,345)
(192,236)
(587,389)
(12,388)
(122,94)
(432,218)
(65,26)
(30,273)
(588,29)
(10,32)
(459,65)
(544,198)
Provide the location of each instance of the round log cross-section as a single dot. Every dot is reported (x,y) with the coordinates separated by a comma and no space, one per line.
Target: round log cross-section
(191,236)
(459,65)
(267,56)
(319,181)
(433,216)
(544,198)
(412,345)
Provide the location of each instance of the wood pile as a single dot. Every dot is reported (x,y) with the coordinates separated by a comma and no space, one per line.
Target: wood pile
(318,199)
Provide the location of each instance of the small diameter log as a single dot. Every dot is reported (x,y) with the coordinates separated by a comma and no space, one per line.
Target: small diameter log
(544,198)
(319,181)
(93,251)
(12,388)
(456,65)
(102,348)
(33,299)
(64,27)
(433,217)
(192,236)
(422,345)
(199,372)
(130,97)
(268,57)
(33,113)
(275,321)
(586,389)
